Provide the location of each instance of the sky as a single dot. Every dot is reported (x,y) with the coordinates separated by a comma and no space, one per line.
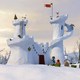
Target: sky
(38,19)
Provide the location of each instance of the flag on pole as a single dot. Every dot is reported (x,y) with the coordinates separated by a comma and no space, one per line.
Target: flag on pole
(48,5)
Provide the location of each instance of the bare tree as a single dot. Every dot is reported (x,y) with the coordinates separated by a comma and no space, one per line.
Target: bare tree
(78,44)
(75,57)
(4,59)
(66,55)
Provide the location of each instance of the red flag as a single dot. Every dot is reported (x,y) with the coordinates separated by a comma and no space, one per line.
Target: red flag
(48,5)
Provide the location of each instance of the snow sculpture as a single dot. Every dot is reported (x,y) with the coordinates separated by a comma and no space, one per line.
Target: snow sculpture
(24,50)
(58,36)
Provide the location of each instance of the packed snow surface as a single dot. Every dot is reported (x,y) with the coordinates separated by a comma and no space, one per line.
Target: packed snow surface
(38,72)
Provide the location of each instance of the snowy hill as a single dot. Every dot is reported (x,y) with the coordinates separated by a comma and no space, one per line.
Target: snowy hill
(38,72)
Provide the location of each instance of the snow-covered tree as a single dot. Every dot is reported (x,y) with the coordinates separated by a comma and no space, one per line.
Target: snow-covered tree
(4,59)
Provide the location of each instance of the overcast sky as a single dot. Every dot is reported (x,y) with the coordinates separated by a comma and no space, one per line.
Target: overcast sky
(38,19)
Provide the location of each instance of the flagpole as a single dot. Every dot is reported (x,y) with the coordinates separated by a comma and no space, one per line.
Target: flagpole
(51,11)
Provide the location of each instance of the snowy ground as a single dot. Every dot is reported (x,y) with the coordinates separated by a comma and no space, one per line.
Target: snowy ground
(38,72)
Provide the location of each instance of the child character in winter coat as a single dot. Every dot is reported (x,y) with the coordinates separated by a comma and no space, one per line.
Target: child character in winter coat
(58,63)
(53,60)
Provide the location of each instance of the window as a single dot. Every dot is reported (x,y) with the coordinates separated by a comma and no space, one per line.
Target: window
(19,36)
(29,49)
(62,27)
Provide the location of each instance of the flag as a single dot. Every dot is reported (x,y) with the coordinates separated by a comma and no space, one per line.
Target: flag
(48,5)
